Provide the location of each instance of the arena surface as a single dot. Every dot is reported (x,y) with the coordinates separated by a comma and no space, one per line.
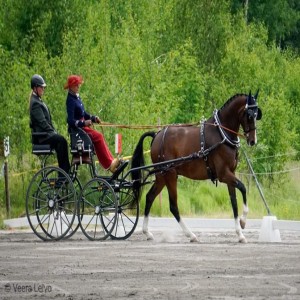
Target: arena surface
(171,267)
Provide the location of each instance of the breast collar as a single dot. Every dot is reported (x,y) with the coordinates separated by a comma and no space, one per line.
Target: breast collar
(226,138)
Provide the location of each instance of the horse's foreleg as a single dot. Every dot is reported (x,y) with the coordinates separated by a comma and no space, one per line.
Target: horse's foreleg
(238,228)
(243,218)
(240,186)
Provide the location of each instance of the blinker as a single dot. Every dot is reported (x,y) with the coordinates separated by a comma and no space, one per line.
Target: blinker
(254,112)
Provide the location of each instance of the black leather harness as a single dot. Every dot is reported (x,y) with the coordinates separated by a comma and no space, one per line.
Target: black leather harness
(203,152)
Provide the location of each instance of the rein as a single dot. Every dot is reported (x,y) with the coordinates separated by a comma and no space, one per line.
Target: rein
(227,129)
(107,124)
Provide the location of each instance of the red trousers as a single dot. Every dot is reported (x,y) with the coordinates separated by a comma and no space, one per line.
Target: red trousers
(103,153)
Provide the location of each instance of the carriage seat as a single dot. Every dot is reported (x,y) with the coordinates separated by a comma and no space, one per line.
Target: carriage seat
(82,147)
(40,149)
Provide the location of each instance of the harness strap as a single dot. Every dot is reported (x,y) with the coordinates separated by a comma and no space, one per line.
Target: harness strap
(204,153)
(202,137)
(234,143)
(161,153)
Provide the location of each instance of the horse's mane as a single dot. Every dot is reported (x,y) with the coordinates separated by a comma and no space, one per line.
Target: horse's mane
(231,99)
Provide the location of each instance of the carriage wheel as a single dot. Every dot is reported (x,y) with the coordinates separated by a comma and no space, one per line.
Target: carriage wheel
(97,209)
(75,225)
(128,212)
(51,203)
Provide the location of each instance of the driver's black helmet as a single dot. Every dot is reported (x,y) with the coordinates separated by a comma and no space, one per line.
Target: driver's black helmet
(37,80)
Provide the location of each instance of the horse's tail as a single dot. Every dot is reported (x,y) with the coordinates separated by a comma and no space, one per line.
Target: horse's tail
(138,161)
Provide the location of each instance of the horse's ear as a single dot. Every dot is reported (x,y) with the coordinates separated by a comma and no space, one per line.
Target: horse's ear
(256,95)
(249,98)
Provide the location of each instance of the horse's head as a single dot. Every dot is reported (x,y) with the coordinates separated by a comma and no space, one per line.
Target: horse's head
(251,114)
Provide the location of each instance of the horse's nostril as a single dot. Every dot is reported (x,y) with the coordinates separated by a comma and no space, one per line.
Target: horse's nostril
(252,143)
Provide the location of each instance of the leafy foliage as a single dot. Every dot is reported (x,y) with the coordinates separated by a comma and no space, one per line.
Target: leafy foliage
(281,18)
(152,62)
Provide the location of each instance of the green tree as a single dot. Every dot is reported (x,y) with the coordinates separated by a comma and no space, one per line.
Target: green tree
(281,17)
(26,22)
(207,24)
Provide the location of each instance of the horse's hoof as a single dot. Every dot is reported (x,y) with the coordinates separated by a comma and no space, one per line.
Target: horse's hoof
(242,223)
(150,236)
(243,240)
(194,239)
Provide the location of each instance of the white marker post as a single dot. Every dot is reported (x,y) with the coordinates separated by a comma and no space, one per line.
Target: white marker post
(6,153)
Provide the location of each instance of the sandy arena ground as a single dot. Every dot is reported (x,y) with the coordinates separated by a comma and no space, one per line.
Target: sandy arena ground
(171,267)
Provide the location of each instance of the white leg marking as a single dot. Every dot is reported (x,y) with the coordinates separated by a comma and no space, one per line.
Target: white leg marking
(238,231)
(148,234)
(244,216)
(187,232)
(255,137)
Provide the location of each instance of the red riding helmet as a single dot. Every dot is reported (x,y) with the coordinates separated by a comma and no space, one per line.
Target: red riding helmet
(73,80)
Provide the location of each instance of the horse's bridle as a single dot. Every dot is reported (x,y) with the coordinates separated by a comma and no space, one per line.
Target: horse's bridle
(252,111)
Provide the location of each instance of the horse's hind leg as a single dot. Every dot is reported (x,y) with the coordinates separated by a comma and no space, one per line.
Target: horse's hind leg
(171,183)
(150,197)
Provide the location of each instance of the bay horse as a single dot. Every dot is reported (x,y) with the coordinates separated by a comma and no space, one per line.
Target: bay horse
(213,149)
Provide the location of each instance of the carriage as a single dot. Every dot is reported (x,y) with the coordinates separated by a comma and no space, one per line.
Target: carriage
(108,206)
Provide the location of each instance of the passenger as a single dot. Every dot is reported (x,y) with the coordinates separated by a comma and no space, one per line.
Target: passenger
(78,117)
(41,122)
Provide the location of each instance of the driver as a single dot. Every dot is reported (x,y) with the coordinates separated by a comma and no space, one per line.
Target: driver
(41,122)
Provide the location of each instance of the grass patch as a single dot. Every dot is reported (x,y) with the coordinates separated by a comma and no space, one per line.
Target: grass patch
(195,198)
(204,199)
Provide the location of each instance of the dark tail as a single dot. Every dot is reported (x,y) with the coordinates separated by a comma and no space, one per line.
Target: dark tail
(138,161)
